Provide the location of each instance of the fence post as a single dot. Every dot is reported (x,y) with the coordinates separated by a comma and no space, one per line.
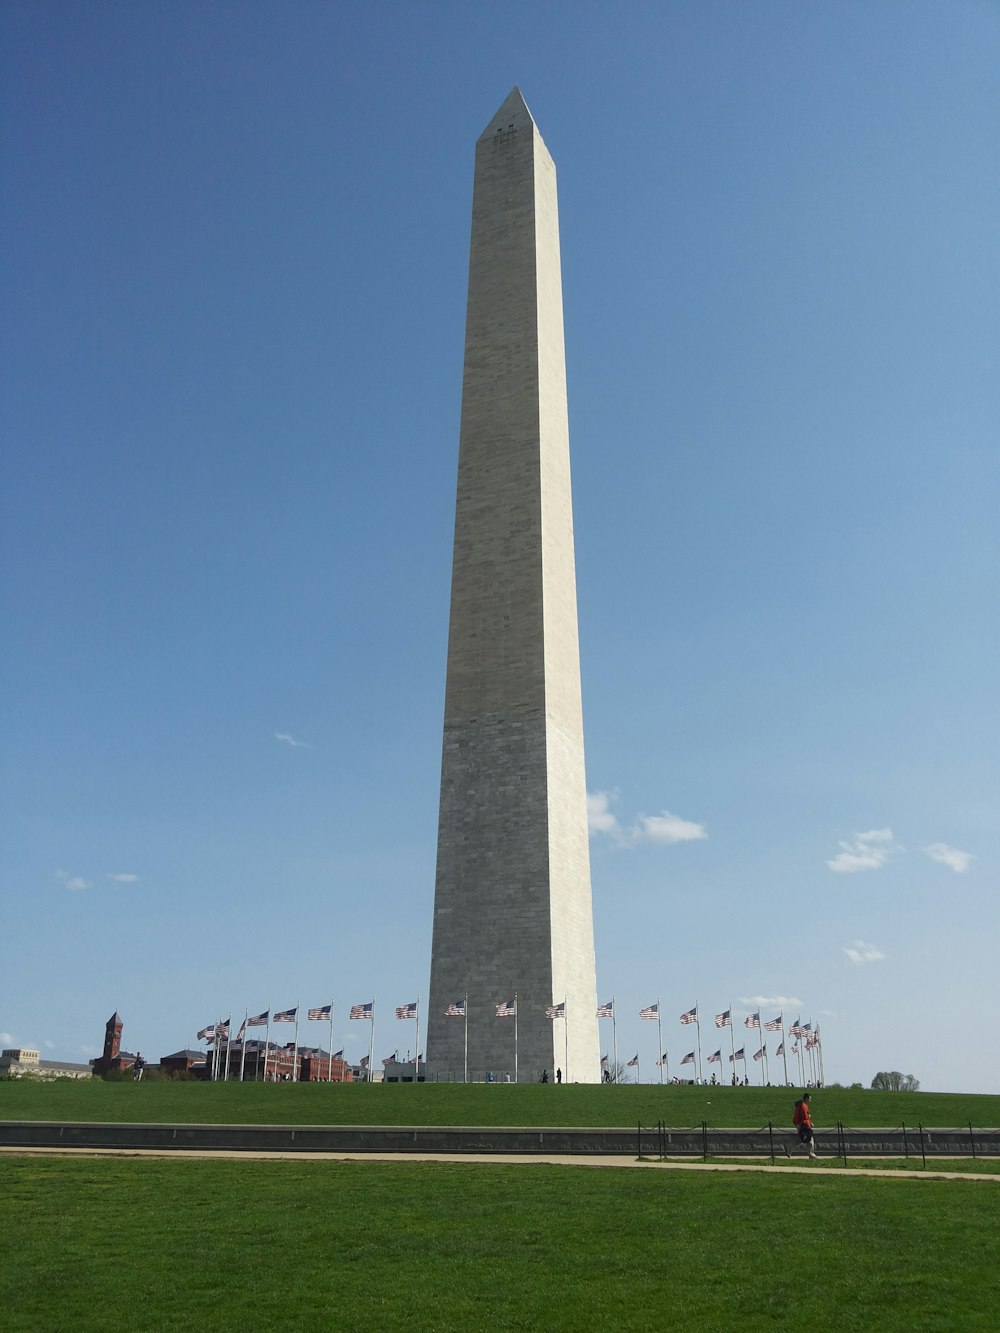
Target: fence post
(843,1140)
(663,1140)
(923,1154)
(638,1138)
(704,1140)
(972,1139)
(770,1137)
(906,1146)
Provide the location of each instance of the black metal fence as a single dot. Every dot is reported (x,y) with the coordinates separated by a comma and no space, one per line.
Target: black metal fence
(838,1141)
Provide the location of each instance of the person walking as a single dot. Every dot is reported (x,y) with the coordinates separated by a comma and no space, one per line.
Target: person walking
(803,1123)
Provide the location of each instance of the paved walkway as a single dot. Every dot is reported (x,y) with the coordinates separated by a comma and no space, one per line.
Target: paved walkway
(498,1159)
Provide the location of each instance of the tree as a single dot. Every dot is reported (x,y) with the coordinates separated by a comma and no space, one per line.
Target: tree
(893,1081)
(620,1073)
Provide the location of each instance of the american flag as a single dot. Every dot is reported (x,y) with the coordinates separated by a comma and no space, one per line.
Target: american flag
(321,1015)
(604,1062)
(286,1016)
(795,1048)
(715,1059)
(811,1040)
(260,1021)
(690,1016)
(724,1020)
(223,1028)
(650,1011)
(663,1060)
(243,1028)
(363,1062)
(406,1010)
(556,1010)
(391,1059)
(455,1010)
(775,1024)
(363,1010)
(508,1009)
(338,1055)
(206,1034)
(781,1049)
(752,1020)
(606,1010)
(805,1029)
(739,1055)
(796,1028)
(688,1059)
(759,1055)
(633,1063)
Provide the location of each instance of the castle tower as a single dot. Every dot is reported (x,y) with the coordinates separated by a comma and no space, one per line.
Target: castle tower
(112,1045)
(512,908)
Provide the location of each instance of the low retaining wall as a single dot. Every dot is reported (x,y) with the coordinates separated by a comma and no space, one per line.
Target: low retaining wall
(649,1142)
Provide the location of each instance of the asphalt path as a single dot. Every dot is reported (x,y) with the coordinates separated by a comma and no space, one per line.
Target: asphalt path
(499,1159)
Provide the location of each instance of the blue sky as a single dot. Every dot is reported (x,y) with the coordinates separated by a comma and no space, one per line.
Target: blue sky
(234,266)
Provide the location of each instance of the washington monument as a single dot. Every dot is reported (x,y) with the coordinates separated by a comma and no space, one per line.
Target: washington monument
(513,920)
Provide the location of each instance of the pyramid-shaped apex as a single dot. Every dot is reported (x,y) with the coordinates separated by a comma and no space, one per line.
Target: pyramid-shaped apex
(512,115)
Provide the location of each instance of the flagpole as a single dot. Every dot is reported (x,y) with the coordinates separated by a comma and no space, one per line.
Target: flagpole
(732,1036)
(267,1041)
(329,1063)
(784,1054)
(659,1038)
(565,1039)
(243,1044)
(515,1036)
(295,1051)
(371,1046)
(229,1026)
(416,1062)
(697,1024)
(467,1041)
(819,1052)
(614,1034)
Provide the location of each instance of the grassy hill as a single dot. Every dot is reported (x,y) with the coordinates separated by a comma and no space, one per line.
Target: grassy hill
(478,1104)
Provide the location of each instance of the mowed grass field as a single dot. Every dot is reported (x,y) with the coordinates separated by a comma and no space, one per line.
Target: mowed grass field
(477,1104)
(181,1244)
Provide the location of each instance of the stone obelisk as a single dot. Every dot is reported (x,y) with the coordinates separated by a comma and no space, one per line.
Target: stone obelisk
(512,909)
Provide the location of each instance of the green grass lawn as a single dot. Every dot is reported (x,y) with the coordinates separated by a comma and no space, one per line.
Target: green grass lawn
(186,1244)
(476,1104)
(984,1166)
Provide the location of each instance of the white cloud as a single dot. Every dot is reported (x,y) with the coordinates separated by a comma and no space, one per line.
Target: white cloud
(664,828)
(49,1045)
(860,952)
(6,1039)
(667,828)
(949,856)
(756,1002)
(72,882)
(599,816)
(290,740)
(868,851)
(124,879)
